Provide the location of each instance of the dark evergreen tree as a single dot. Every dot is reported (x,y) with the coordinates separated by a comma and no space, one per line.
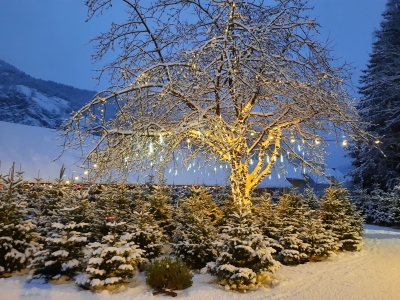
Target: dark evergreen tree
(380,107)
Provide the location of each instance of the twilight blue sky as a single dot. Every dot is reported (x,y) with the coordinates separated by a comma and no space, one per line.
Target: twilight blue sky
(48,39)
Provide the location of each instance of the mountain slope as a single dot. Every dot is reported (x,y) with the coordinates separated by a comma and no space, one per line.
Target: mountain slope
(30,101)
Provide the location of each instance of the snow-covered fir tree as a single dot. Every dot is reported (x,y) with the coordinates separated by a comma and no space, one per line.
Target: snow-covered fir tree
(317,241)
(111,262)
(339,215)
(245,258)
(64,242)
(265,214)
(309,198)
(161,209)
(112,204)
(145,232)
(17,234)
(380,107)
(195,231)
(292,214)
(379,207)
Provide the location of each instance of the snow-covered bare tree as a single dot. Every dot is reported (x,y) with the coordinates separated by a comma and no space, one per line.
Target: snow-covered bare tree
(231,81)
(380,107)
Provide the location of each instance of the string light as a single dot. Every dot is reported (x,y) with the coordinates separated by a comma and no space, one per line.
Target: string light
(344,143)
(151,147)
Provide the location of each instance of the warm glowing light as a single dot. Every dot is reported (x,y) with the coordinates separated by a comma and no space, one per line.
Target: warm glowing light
(86,172)
(377,142)
(67,182)
(292,140)
(344,143)
(151,147)
(317,142)
(95,166)
(77,177)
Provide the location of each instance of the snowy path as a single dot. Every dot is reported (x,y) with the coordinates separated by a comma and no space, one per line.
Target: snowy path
(373,273)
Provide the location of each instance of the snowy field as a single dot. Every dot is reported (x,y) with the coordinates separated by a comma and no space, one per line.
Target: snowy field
(373,273)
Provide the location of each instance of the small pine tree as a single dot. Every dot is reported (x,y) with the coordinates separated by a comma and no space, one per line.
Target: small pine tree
(339,215)
(17,235)
(161,209)
(318,242)
(293,214)
(62,253)
(145,232)
(195,244)
(111,262)
(310,199)
(111,204)
(265,212)
(245,259)
(195,231)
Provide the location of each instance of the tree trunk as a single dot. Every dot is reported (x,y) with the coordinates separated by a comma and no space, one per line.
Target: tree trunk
(241,191)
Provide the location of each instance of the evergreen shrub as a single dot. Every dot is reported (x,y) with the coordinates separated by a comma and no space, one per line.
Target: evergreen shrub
(169,274)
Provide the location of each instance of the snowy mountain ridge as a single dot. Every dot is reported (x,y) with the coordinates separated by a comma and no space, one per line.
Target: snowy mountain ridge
(30,101)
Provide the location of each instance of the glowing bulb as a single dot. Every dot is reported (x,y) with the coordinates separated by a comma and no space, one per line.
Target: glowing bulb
(344,143)
(151,147)
(251,161)
(317,142)
(377,142)
(86,172)
(292,140)
(77,177)
(95,166)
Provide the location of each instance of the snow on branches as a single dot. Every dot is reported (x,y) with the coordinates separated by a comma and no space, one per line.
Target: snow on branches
(232,81)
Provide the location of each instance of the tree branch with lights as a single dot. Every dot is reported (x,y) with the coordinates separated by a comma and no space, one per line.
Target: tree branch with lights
(229,81)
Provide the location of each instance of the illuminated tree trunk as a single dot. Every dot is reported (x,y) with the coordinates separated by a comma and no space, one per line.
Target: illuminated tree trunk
(241,189)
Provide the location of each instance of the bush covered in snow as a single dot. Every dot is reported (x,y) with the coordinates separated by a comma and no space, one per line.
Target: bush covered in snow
(168,273)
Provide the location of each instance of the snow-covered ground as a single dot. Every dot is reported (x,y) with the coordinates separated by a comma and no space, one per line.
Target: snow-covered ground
(373,273)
